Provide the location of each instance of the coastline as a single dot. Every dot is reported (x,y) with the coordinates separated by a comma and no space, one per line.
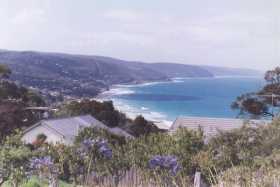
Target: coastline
(131,112)
(161,120)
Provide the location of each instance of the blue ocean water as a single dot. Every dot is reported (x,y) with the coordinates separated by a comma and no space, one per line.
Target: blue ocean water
(207,97)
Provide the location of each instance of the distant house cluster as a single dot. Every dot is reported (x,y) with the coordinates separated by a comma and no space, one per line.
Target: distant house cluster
(66,129)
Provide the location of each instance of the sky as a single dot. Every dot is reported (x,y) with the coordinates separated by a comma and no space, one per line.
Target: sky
(233,33)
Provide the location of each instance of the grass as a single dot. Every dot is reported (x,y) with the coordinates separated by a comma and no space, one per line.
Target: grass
(35,182)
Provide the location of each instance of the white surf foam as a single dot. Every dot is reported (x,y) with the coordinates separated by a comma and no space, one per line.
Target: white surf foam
(132,112)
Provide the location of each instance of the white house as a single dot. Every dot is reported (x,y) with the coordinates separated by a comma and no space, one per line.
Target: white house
(211,126)
(66,129)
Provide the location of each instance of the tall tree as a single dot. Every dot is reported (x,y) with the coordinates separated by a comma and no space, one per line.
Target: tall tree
(261,103)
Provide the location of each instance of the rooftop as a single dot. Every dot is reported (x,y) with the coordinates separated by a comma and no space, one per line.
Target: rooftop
(68,128)
(71,126)
(211,126)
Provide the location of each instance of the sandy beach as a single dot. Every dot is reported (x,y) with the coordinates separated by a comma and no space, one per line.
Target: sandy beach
(132,112)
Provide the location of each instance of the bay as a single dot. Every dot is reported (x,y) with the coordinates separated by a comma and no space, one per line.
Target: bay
(165,101)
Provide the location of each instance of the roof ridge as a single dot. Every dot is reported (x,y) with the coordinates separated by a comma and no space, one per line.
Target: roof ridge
(60,133)
(71,117)
(79,119)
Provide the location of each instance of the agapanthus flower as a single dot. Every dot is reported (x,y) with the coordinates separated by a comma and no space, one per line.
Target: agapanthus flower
(88,144)
(38,163)
(81,152)
(43,164)
(101,145)
(155,161)
(104,149)
(169,163)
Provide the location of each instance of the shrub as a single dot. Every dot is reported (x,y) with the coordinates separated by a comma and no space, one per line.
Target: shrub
(184,144)
(246,147)
(140,127)
(14,160)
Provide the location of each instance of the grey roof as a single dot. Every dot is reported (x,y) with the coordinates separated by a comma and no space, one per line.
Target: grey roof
(120,132)
(211,126)
(71,126)
(68,128)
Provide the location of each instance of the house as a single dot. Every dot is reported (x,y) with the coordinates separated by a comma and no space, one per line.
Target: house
(66,129)
(211,126)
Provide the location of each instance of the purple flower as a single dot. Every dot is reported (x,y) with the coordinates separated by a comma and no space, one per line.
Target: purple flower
(88,144)
(106,152)
(155,161)
(38,163)
(101,143)
(165,162)
(101,146)
(43,164)
(104,149)
(81,152)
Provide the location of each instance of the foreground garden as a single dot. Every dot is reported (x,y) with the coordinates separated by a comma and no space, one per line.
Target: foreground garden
(242,157)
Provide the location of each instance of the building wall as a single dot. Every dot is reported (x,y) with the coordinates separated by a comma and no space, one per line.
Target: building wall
(52,137)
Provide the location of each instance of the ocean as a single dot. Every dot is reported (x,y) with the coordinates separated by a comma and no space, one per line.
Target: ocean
(163,102)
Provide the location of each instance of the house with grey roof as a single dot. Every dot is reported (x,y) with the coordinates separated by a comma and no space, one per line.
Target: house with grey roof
(211,126)
(66,129)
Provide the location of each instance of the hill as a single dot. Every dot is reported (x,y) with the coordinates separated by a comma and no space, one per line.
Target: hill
(82,75)
(224,71)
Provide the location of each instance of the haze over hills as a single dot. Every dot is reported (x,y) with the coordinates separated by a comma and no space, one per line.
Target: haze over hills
(225,71)
(82,75)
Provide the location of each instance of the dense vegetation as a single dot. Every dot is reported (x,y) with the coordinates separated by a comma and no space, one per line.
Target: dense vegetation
(106,113)
(234,157)
(13,101)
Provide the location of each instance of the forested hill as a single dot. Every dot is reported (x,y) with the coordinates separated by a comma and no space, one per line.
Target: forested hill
(83,75)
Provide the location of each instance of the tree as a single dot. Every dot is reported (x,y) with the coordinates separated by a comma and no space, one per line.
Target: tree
(260,103)
(273,76)
(13,116)
(13,102)
(249,104)
(103,111)
(141,126)
(5,72)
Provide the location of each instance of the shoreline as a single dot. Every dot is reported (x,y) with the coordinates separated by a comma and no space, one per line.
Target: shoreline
(131,111)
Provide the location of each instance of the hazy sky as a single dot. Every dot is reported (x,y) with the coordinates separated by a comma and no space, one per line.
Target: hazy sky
(236,33)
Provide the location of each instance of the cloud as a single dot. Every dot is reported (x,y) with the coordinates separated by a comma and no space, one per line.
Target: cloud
(235,32)
(27,16)
(124,15)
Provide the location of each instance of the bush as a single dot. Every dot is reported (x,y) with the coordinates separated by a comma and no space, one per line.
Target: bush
(106,113)
(140,127)
(184,144)
(245,176)
(238,156)
(14,157)
(246,147)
